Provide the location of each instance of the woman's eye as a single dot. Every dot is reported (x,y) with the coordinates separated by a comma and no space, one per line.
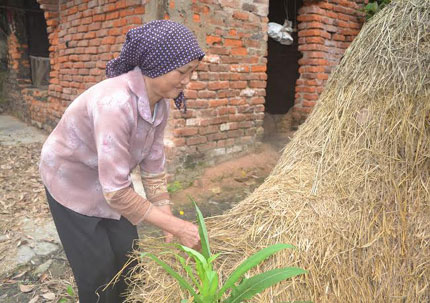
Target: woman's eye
(181,72)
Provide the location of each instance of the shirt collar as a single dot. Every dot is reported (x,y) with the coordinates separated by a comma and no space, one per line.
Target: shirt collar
(136,84)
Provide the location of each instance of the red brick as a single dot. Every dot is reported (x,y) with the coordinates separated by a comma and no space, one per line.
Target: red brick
(257,100)
(134,20)
(306,61)
(111,16)
(196,17)
(211,40)
(241,15)
(259,84)
(232,42)
(108,40)
(87,20)
(120,4)
(219,102)
(239,51)
(114,32)
(239,68)
(91,50)
(218,85)
(258,68)
(120,22)
(238,84)
(197,85)
(316,40)
(210,129)
(186,131)
(196,140)
(337,37)
(310,96)
(313,33)
(311,69)
(94,26)
(206,94)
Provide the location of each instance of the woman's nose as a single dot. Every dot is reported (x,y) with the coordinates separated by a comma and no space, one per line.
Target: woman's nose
(186,79)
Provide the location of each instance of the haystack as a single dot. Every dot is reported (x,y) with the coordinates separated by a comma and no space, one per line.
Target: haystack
(351,190)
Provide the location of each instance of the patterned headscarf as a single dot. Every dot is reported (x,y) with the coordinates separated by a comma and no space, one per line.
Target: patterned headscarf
(157,48)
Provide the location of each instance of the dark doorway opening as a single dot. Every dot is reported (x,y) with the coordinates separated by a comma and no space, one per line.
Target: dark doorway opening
(38,44)
(282,65)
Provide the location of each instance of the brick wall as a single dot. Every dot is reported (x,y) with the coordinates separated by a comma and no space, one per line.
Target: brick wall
(326,29)
(226,95)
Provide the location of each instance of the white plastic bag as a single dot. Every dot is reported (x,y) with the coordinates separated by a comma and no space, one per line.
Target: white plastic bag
(281,33)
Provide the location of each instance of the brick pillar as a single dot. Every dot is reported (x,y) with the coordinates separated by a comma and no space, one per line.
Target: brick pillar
(326,29)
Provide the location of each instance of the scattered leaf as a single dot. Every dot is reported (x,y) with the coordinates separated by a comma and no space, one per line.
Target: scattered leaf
(43,277)
(34,299)
(26,288)
(19,275)
(49,296)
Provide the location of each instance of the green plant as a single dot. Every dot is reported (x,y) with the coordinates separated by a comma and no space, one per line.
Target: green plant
(374,6)
(174,187)
(71,295)
(203,281)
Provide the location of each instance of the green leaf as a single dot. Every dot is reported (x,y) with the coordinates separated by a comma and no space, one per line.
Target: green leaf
(70,291)
(251,262)
(213,257)
(63,300)
(182,282)
(204,239)
(252,286)
(210,285)
(198,257)
(188,270)
(371,7)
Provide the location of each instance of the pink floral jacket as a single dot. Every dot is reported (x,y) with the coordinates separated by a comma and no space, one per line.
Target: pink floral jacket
(102,136)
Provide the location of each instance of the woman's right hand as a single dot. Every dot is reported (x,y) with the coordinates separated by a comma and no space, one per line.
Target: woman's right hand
(188,235)
(186,232)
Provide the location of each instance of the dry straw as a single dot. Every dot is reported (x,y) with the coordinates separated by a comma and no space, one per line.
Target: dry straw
(351,190)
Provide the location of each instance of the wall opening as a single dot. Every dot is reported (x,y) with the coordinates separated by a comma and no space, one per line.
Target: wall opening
(282,69)
(38,44)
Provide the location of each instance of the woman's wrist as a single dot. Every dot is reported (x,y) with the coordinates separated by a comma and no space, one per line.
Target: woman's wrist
(165,221)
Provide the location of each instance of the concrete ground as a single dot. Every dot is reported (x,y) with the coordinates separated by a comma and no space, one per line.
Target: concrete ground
(14,131)
(41,237)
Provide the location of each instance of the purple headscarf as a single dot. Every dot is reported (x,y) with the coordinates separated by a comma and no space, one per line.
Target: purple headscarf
(157,47)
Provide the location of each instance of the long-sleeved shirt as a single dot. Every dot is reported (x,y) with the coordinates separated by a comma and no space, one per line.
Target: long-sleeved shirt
(105,132)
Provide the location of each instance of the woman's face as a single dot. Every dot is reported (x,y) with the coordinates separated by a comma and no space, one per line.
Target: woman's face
(171,84)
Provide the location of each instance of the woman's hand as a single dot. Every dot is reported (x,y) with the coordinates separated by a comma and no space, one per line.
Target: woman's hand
(189,235)
(186,232)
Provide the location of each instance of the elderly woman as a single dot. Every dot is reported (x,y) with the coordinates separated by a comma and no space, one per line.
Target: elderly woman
(106,132)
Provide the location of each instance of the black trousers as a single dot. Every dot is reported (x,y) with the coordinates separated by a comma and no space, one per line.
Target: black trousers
(97,249)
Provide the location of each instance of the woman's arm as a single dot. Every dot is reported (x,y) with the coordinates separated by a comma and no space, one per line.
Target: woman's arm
(186,232)
(136,209)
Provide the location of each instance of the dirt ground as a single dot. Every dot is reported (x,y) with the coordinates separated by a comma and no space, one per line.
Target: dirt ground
(46,277)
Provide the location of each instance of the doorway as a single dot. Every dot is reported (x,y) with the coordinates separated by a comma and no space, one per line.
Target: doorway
(282,69)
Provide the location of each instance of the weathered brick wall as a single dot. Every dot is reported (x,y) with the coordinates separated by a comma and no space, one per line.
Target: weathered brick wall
(24,100)
(326,29)
(226,96)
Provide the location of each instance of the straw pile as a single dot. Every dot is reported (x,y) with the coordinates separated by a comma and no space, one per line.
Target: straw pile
(351,190)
